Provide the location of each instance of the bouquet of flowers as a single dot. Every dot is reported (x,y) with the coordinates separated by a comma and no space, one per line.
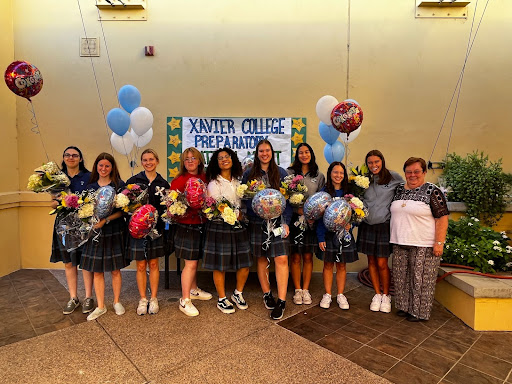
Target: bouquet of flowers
(294,189)
(359,180)
(68,202)
(359,211)
(176,205)
(249,190)
(132,197)
(221,209)
(48,178)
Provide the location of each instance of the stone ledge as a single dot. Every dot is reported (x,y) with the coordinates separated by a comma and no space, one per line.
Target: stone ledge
(478,286)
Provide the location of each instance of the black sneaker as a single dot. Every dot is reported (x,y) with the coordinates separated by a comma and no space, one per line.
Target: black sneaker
(239,300)
(278,311)
(225,306)
(71,306)
(268,300)
(88,305)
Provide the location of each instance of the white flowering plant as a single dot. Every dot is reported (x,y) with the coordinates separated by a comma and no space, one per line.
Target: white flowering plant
(221,209)
(48,178)
(359,180)
(176,203)
(470,243)
(294,189)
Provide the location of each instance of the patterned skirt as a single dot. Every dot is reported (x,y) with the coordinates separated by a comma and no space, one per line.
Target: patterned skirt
(145,249)
(275,245)
(226,248)
(334,253)
(188,241)
(373,240)
(302,241)
(108,252)
(60,254)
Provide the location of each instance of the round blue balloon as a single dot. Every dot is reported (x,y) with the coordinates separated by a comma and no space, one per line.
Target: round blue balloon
(129,97)
(334,152)
(328,133)
(337,216)
(315,205)
(118,121)
(104,205)
(269,203)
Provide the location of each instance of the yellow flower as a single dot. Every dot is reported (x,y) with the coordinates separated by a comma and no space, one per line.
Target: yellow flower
(221,207)
(80,201)
(261,187)
(173,195)
(351,178)
(359,212)
(207,210)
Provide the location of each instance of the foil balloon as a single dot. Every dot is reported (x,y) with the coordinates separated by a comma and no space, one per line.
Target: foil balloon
(195,192)
(104,202)
(346,117)
(247,162)
(269,204)
(24,79)
(315,205)
(337,216)
(142,221)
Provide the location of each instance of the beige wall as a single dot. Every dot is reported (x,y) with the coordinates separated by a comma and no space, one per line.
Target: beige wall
(255,58)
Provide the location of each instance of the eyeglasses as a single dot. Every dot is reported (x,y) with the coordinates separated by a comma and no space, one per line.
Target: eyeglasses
(190,159)
(222,158)
(72,155)
(416,172)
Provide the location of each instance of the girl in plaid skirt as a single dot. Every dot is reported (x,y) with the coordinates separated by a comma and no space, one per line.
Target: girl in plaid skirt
(147,251)
(226,245)
(106,253)
(188,238)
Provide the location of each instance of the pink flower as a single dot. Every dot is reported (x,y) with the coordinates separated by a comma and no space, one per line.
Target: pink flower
(71,201)
(210,201)
(297,178)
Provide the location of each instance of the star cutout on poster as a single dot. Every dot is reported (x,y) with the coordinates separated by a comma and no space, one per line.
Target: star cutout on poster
(296,138)
(174,123)
(173,172)
(298,124)
(174,140)
(174,158)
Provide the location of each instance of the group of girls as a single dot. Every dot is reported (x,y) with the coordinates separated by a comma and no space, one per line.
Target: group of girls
(223,247)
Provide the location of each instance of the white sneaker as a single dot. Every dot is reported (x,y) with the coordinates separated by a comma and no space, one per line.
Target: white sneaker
(118,307)
(326,301)
(188,308)
(142,309)
(385,305)
(306,297)
(96,313)
(153,306)
(342,301)
(297,297)
(376,302)
(199,294)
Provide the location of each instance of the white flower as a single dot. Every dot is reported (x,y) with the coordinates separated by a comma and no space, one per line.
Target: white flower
(447,246)
(362,181)
(461,256)
(241,190)
(456,250)
(86,211)
(296,198)
(503,232)
(121,200)
(509,264)
(477,252)
(497,249)
(504,236)
(470,224)
(496,242)
(473,245)
(357,202)
(490,262)
(475,219)
(229,216)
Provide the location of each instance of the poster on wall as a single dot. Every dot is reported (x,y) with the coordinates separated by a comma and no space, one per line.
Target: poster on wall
(241,134)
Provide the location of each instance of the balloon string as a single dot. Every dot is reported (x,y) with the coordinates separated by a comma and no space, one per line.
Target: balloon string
(35,128)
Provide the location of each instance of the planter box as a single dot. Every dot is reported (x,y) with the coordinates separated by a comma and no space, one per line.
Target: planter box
(484,304)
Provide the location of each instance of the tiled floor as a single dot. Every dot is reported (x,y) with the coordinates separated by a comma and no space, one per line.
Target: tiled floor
(442,350)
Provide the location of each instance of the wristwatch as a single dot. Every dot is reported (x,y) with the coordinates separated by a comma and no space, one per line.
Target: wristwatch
(107,221)
(440,242)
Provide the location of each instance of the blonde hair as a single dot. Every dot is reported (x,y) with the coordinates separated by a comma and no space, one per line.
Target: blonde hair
(197,155)
(152,151)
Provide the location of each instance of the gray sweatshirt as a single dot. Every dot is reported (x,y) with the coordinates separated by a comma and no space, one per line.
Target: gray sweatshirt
(377,198)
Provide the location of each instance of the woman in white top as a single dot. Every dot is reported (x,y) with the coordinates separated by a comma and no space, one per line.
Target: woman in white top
(226,245)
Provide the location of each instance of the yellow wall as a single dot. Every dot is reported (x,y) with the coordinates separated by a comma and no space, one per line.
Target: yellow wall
(254,58)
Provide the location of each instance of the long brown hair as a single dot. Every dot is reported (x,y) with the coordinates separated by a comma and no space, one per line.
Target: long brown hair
(329,186)
(273,171)
(297,165)
(114,174)
(384,175)
(197,155)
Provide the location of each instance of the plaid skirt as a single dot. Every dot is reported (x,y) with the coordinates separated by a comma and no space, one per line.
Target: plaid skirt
(60,254)
(334,253)
(145,249)
(373,240)
(168,239)
(226,248)
(188,241)
(257,233)
(302,241)
(108,252)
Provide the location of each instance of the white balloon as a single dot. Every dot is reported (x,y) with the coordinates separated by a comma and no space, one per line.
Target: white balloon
(352,100)
(353,135)
(122,144)
(143,140)
(324,107)
(141,120)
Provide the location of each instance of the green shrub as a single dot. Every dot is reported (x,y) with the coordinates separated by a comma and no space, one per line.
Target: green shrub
(479,183)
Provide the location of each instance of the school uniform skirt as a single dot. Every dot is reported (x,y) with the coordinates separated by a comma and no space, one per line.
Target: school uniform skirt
(188,241)
(107,252)
(225,247)
(333,253)
(145,249)
(59,253)
(277,246)
(373,240)
(302,241)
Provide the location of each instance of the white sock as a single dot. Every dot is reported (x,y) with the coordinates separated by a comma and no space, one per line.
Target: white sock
(237,292)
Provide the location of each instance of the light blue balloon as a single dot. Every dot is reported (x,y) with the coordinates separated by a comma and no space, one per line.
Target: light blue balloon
(129,97)
(328,133)
(118,121)
(334,152)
